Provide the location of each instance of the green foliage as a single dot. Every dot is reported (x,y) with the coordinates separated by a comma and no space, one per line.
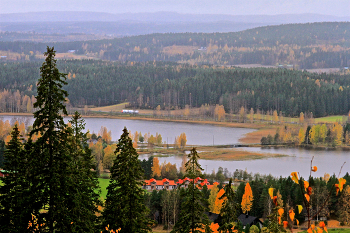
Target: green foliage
(229,209)
(50,179)
(84,198)
(14,192)
(192,217)
(124,206)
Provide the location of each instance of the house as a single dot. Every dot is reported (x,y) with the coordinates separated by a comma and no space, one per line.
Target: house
(251,220)
(154,184)
(199,181)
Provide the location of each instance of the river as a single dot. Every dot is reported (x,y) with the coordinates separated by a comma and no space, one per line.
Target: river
(327,161)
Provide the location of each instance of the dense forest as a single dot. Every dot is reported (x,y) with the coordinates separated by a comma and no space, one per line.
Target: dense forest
(173,86)
(303,46)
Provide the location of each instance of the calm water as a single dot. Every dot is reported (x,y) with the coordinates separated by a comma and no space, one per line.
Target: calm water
(297,160)
(196,134)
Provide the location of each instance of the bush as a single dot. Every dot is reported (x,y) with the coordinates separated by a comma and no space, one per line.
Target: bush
(254,229)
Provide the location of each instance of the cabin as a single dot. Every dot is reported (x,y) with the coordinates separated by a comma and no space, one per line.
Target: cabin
(251,220)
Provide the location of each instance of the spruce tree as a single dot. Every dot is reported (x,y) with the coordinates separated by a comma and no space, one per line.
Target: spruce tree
(124,206)
(83,199)
(229,209)
(15,211)
(192,216)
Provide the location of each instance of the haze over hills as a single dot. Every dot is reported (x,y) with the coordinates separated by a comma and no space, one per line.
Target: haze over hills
(128,24)
(164,17)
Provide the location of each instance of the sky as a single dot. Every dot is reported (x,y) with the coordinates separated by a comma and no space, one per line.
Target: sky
(230,7)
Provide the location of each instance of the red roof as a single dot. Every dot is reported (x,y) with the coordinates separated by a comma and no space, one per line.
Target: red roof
(159,182)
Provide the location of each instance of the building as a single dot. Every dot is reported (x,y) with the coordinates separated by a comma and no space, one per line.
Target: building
(154,184)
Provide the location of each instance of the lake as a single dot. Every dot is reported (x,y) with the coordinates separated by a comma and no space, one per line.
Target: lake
(198,134)
(297,160)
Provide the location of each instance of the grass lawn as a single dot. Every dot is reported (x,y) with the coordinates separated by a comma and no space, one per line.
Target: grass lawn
(103,184)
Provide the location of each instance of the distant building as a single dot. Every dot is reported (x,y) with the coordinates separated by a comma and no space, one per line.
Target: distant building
(154,184)
(71,51)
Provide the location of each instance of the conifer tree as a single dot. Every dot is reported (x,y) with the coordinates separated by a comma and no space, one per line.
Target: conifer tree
(83,200)
(229,209)
(52,158)
(15,207)
(124,206)
(192,217)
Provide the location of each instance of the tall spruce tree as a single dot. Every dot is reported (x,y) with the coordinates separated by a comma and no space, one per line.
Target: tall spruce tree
(229,209)
(52,158)
(83,199)
(124,206)
(192,216)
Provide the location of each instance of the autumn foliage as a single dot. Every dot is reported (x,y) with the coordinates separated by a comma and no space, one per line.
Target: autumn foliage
(247,199)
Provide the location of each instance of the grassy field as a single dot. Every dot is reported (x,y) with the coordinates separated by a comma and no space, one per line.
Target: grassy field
(111,108)
(329,119)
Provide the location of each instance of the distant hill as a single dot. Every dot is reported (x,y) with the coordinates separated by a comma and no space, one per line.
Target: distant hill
(164,17)
(298,46)
(130,24)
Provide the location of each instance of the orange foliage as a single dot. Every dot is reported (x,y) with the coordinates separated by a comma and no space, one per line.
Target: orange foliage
(218,202)
(247,199)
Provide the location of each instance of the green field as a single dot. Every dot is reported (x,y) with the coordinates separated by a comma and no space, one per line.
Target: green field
(329,119)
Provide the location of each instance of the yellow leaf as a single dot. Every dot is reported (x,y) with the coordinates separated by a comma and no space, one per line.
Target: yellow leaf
(295,177)
(342,181)
(300,208)
(271,192)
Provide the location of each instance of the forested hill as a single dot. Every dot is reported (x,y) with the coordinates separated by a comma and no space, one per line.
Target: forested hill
(314,45)
(174,86)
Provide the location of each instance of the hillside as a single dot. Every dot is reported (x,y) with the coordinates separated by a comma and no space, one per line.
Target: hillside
(302,46)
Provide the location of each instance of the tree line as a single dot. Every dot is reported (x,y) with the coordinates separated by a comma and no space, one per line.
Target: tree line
(170,86)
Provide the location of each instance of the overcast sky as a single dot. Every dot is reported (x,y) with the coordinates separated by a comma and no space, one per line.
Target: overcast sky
(232,7)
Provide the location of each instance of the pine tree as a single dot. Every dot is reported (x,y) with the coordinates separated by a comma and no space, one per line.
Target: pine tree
(192,217)
(124,206)
(229,209)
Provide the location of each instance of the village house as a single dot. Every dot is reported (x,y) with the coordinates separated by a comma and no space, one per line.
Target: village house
(154,184)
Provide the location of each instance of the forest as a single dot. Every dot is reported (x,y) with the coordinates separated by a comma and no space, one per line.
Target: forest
(302,46)
(177,86)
